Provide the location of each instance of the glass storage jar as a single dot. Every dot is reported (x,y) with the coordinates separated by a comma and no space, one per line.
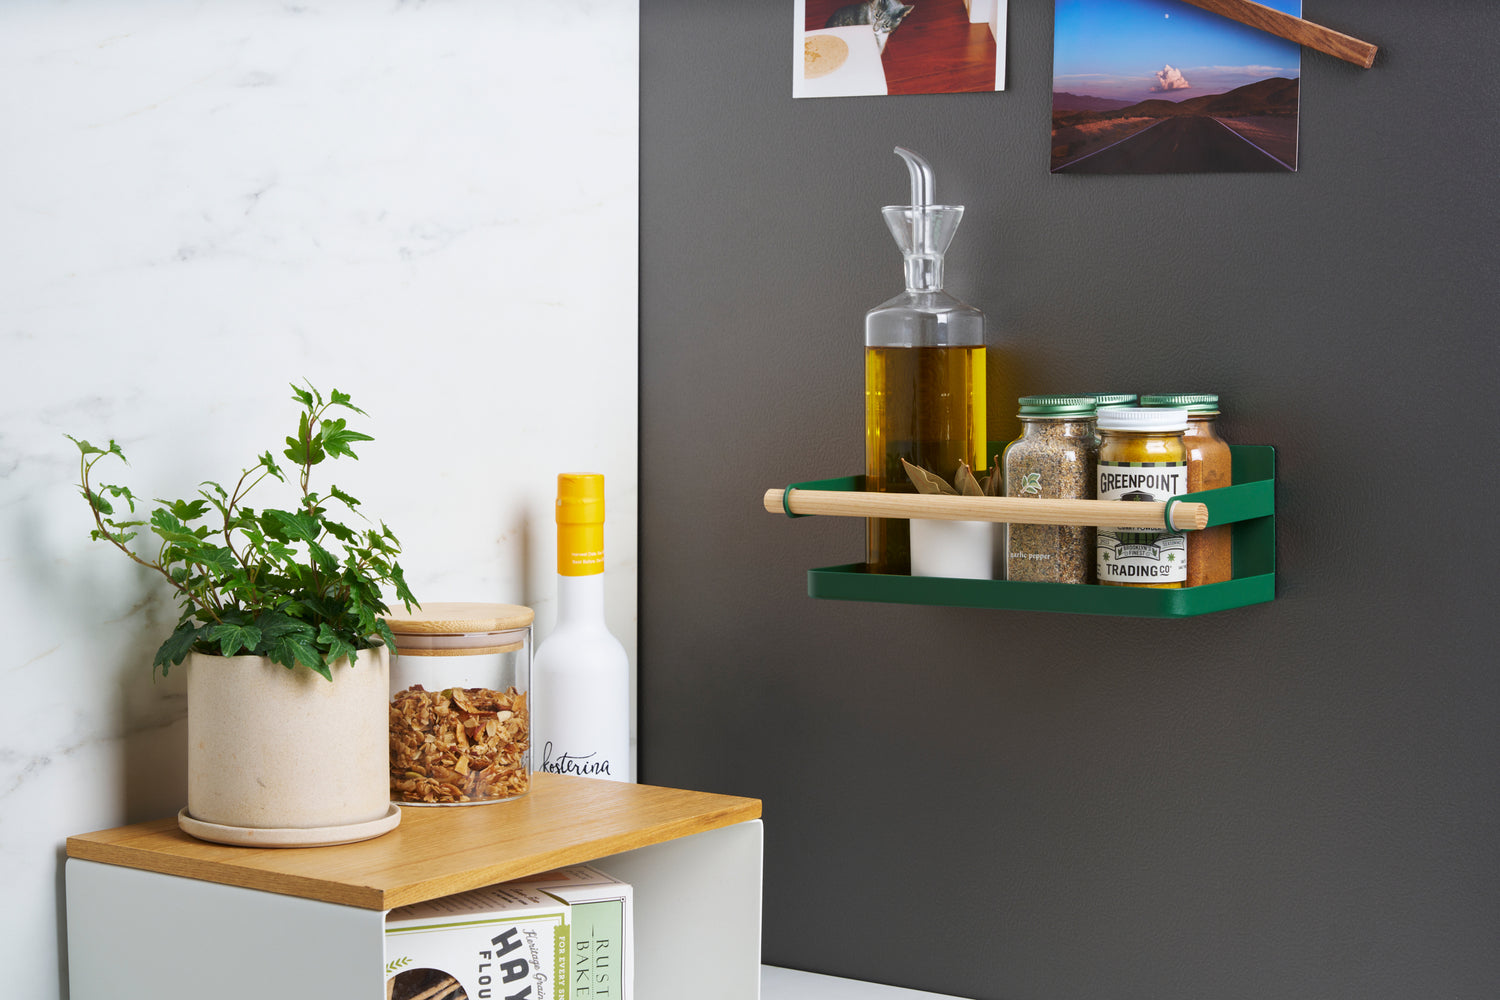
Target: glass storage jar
(1053,459)
(460,718)
(1142,458)
(1210,556)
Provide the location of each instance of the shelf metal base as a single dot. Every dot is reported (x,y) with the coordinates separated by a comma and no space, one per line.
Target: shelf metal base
(1249,507)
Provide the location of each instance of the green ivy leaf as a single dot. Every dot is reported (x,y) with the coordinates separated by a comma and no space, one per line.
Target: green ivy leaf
(403,593)
(178,645)
(342,399)
(234,639)
(296,451)
(269,464)
(120,492)
(279,553)
(277,624)
(88,449)
(84,447)
(311,446)
(218,498)
(337,438)
(383,630)
(185,510)
(377,543)
(301,395)
(325,560)
(287,525)
(172,530)
(217,558)
(337,646)
(290,650)
(339,494)
(98,503)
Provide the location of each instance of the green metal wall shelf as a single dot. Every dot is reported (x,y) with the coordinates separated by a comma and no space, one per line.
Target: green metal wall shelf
(1249,506)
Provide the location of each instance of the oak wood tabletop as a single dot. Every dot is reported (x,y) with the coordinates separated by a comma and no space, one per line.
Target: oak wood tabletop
(436,851)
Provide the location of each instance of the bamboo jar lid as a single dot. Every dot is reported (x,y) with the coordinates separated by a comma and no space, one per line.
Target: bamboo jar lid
(458,628)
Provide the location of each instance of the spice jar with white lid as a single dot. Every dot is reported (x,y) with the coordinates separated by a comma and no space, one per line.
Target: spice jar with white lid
(1142,458)
(1053,459)
(460,713)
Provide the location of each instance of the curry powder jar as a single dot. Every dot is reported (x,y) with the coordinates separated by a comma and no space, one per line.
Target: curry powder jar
(1142,458)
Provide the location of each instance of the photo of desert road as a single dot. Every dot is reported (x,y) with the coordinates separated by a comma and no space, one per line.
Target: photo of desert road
(1252,129)
(1163,87)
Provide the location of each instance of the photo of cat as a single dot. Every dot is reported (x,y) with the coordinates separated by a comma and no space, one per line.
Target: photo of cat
(883,16)
(881,47)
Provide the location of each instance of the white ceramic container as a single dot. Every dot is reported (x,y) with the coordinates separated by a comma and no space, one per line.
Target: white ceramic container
(968,550)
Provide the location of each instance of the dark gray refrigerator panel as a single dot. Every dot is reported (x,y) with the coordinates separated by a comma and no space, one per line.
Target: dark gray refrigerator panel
(1293,799)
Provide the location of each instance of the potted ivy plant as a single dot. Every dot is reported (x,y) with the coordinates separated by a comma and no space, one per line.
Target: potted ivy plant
(281,629)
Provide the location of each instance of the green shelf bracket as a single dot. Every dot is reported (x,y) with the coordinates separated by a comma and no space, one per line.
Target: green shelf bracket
(1249,507)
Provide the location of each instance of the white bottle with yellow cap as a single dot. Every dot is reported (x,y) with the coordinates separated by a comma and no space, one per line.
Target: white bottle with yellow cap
(581,676)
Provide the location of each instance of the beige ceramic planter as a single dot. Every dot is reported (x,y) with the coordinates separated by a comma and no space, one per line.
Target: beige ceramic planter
(280,757)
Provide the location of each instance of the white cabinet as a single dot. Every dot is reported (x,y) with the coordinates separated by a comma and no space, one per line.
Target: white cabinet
(153,913)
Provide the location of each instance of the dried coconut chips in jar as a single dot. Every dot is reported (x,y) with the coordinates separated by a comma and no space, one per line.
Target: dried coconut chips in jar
(460,713)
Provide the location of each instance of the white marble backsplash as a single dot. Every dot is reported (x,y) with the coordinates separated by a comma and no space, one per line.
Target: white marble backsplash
(429,205)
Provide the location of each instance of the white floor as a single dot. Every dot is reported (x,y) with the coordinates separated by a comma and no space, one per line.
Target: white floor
(786,984)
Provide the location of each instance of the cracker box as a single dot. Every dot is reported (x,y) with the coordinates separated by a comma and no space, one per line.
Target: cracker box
(502,942)
(601,946)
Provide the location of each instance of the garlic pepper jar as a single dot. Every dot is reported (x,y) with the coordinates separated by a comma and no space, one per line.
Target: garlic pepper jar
(1053,459)
(460,714)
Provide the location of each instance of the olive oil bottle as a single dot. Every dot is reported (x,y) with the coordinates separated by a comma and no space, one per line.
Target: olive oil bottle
(924,369)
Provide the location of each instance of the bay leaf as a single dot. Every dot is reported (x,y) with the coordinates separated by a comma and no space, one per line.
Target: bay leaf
(995,483)
(926,482)
(964,479)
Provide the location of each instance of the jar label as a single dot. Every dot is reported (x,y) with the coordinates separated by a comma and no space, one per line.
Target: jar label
(1134,555)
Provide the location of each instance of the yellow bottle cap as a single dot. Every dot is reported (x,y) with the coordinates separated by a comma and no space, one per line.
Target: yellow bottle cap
(580,523)
(580,498)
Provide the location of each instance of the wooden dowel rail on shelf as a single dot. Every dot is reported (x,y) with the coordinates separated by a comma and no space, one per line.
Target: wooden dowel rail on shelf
(1186,516)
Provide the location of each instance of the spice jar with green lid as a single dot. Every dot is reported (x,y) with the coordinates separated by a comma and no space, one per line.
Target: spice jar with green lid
(1210,556)
(1142,457)
(1110,400)
(1053,459)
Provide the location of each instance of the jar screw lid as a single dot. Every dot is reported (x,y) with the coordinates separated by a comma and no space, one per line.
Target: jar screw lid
(1056,406)
(1154,419)
(1103,399)
(1201,402)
